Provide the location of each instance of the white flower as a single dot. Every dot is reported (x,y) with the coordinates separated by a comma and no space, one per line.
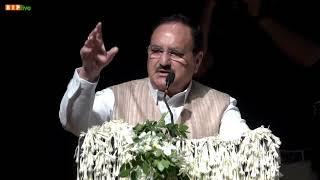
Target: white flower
(128,139)
(167,148)
(147,147)
(142,135)
(155,144)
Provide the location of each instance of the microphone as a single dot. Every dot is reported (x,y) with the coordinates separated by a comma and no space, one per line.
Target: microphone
(169,81)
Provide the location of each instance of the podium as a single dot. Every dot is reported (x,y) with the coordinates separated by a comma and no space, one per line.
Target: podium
(103,150)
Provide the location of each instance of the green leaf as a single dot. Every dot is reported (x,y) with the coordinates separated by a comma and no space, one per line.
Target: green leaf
(158,153)
(162,118)
(146,168)
(165,163)
(138,161)
(134,175)
(183,127)
(138,128)
(148,155)
(160,166)
(134,163)
(125,170)
(172,173)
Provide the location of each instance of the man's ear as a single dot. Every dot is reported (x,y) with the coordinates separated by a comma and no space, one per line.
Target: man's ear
(198,61)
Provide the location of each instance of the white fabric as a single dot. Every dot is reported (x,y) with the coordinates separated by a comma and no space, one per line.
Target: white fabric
(76,115)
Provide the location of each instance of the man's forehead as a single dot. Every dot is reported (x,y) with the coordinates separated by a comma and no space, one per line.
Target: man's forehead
(172,33)
(172,26)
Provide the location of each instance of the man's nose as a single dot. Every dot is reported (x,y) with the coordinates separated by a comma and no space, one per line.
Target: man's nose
(165,59)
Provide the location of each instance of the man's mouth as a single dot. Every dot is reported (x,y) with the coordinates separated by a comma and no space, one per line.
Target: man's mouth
(163,73)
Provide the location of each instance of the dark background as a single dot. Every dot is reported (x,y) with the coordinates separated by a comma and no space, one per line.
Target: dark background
(42,50)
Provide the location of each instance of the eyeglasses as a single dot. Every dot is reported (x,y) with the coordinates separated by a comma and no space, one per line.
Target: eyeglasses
(155,52)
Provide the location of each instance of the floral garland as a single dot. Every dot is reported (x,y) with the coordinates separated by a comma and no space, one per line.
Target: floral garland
(154,150)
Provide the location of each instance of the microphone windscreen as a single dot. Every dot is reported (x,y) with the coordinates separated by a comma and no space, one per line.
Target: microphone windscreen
(170,78)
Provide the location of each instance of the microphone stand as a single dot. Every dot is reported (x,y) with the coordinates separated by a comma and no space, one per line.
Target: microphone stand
(169,81)
(165,101)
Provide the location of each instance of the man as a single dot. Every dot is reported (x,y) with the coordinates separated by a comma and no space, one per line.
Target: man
(175,45)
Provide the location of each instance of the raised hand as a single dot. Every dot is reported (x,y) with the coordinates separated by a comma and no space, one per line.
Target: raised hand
(94,55)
